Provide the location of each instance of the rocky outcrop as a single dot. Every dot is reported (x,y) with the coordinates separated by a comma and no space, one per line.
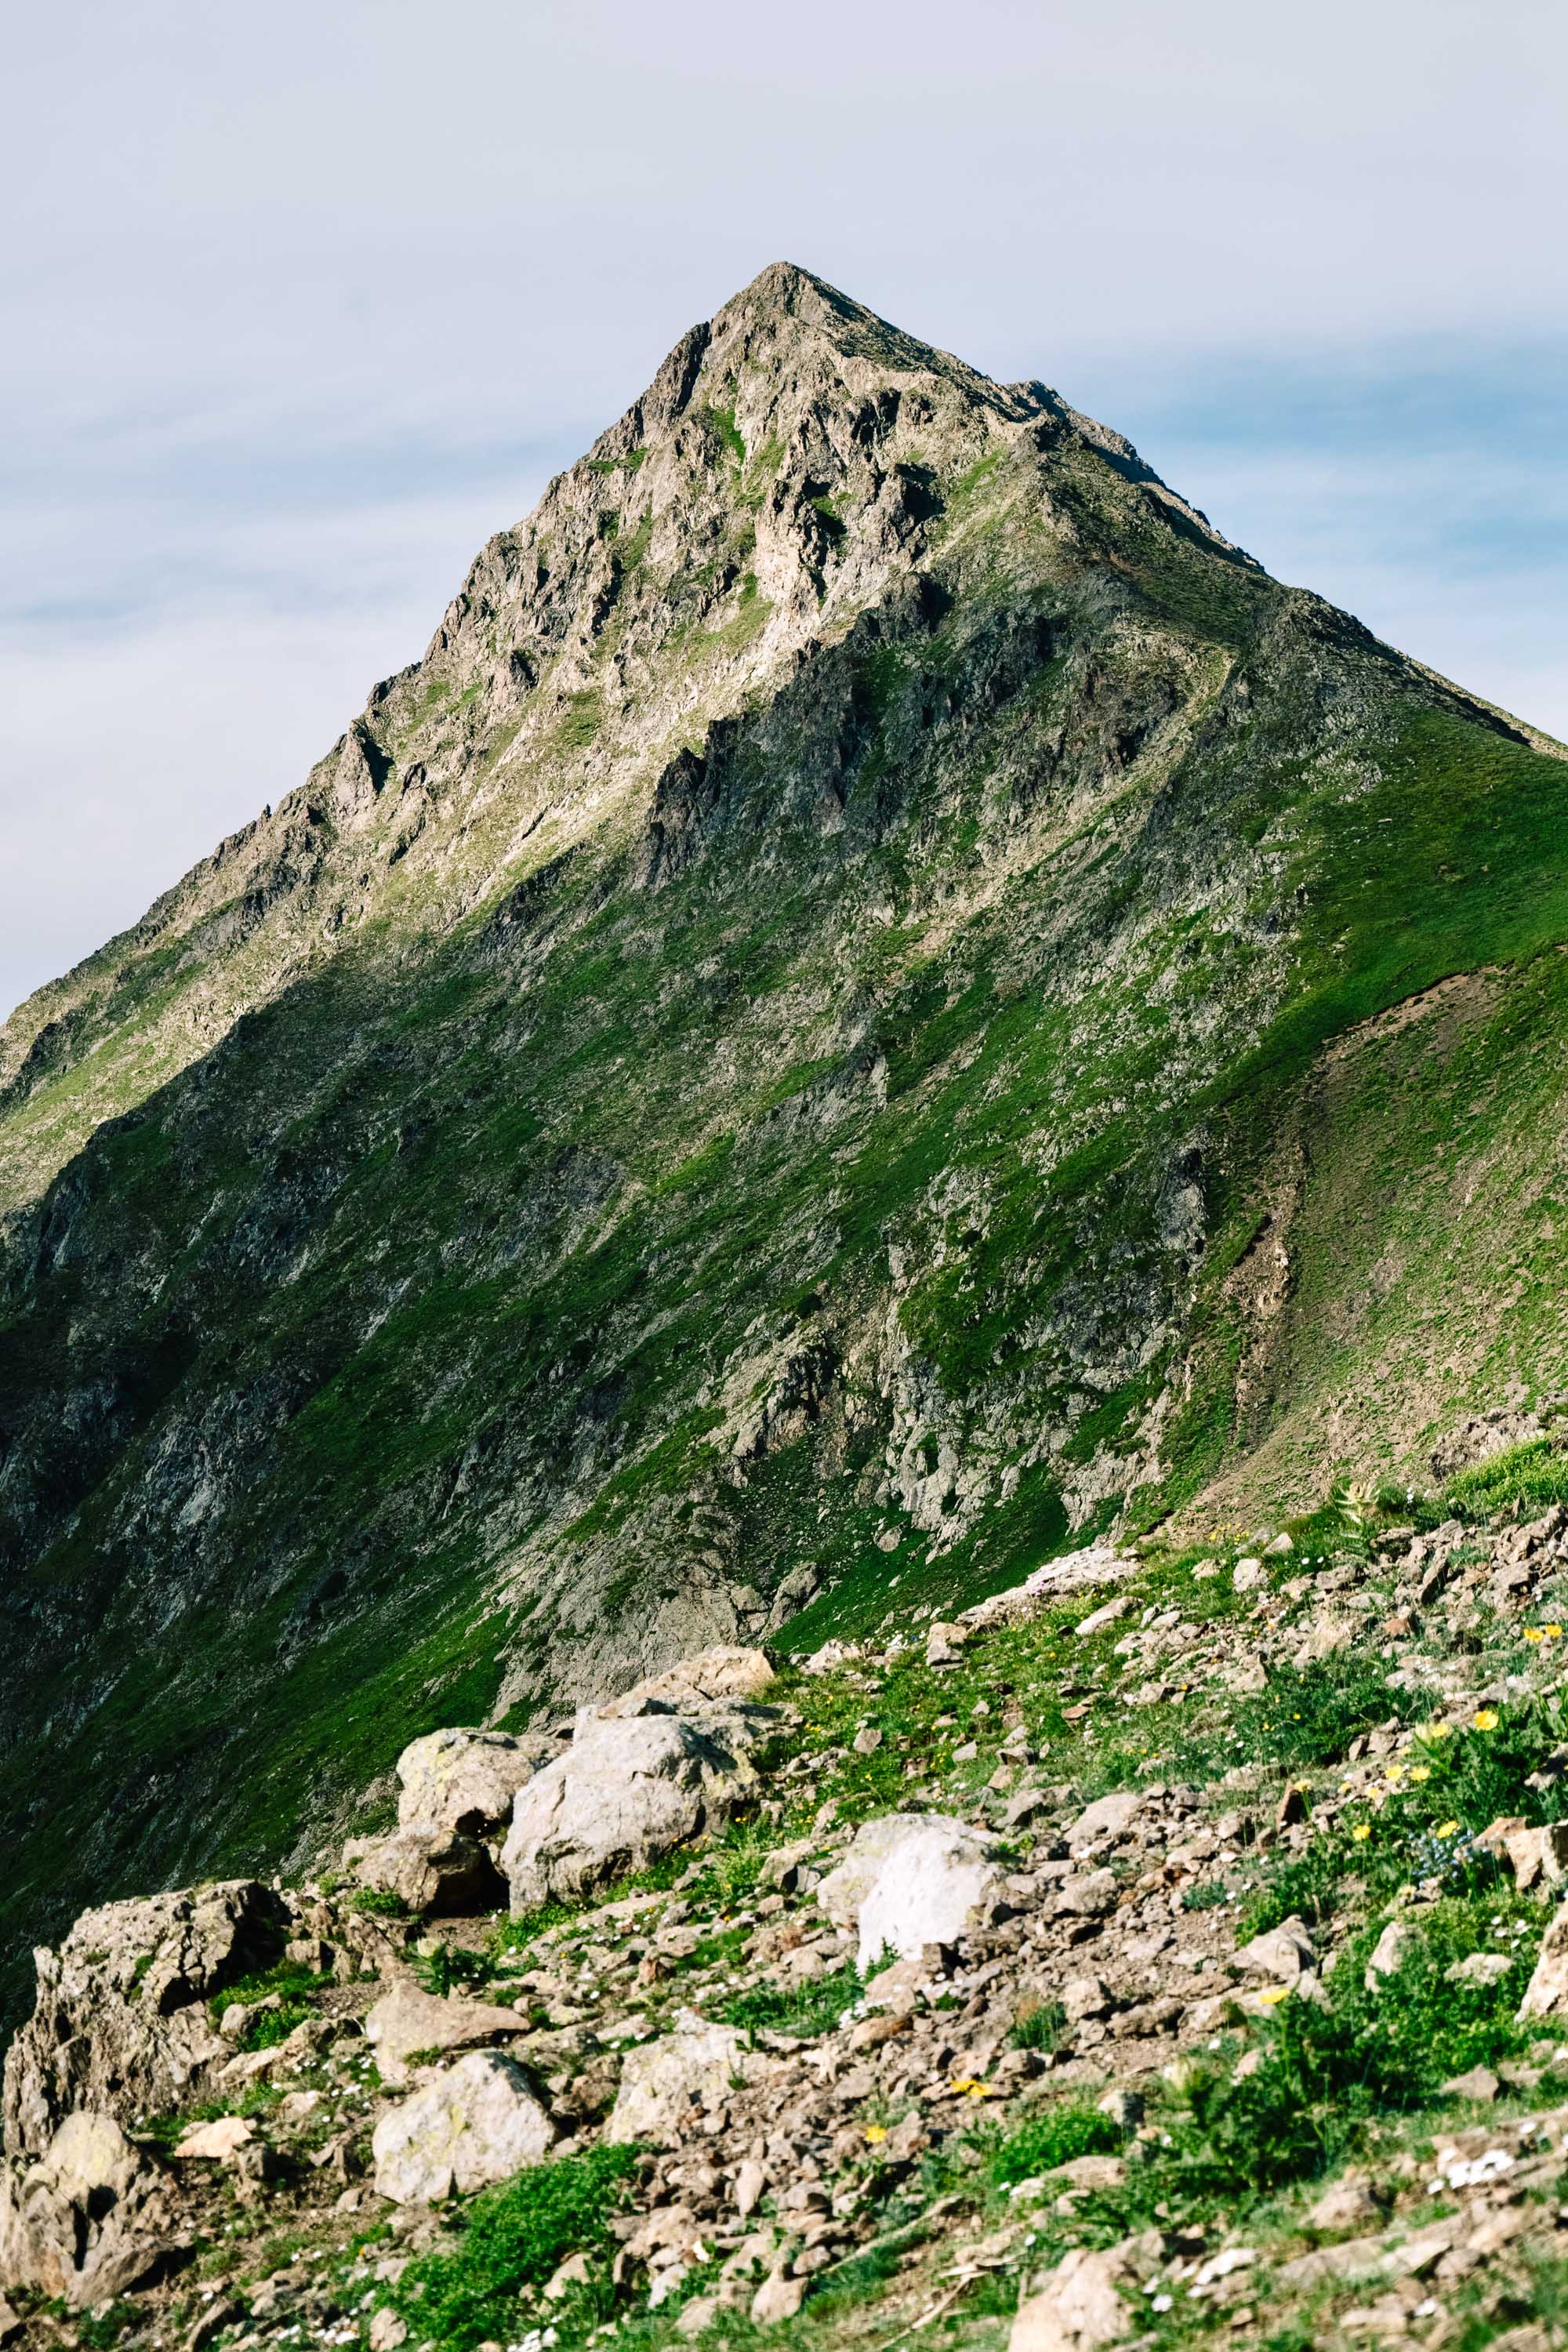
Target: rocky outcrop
(122,2026)
(430,1870)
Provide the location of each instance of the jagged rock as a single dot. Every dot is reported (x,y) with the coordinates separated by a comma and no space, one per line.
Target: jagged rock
(713,1678)
(1479,1968)
(406,2019)
(478,2123)
(1546,1994)
(626,1791)
(438,1873)
(944,1644)
(465,1781)
(1478,2082)
(121,2024)
(685,2075)
(910,1880)
(1538,1857)
(85,2221)
(1079,2307)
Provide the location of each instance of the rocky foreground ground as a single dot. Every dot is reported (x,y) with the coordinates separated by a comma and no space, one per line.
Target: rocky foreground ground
(1170,1946)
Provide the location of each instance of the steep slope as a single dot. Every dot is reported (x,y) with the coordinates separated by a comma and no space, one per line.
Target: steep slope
(839,1027)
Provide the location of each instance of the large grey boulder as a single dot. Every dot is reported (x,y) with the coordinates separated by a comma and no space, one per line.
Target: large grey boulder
(628,1790)
(465,1781)
(86,2221)
(910,1880)
(667,2082)
(478,2123)
(120,2025)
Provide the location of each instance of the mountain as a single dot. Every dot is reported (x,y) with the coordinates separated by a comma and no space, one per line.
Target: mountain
(881,1001)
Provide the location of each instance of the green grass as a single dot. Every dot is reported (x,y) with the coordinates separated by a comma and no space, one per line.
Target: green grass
(1528,1478)
(1053,2137)
(513,2239)
(807,2010)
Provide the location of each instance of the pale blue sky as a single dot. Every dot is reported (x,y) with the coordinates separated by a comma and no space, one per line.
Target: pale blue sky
(303,302)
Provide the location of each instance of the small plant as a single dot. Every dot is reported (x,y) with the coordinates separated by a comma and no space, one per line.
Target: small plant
(441,1968)
(806,2009)
(1039,2025)
(1207,1894)
(514,2240)
(1052,2138)
(1529,1477)
(381,1902)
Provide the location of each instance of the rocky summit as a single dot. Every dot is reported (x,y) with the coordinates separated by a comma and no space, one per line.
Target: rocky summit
(885,1019)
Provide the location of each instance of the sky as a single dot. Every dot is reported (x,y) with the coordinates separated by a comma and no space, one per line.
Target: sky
(302,304)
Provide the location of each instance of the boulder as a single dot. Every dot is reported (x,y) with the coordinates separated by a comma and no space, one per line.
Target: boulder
(628,1790)
(713,1678)
(1390,1952)
(121,2026)
(478,2123)
(465,1781)
(86,2222)
(691,2072)
(439,1873)
(406,2019)
(1079,2307)
(910,1880)
(1546,1994)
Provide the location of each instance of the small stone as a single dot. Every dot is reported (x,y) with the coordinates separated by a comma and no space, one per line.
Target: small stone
(867,1740)
(751,2181)
(1246,1574)
(1480,2084)
(387,2331)
(777,2298)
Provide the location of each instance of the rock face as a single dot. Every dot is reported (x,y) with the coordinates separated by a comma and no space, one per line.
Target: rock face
(84,2222)
(628,1790)
(478,2123)
(120,2025)
(1546,1994)
(910,1880)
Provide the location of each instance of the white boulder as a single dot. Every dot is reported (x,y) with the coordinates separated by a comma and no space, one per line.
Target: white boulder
(910,1880)
(478,2123)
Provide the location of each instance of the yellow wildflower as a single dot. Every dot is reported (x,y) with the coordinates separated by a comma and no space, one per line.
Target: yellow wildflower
(1421,1771)
(1361,1830)
(1395,1775)
(1446,1830)
(1533,1633)
(1274,1996)
(1553,1632)
(1485,1718)
(1435,1731)
(875,2133)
